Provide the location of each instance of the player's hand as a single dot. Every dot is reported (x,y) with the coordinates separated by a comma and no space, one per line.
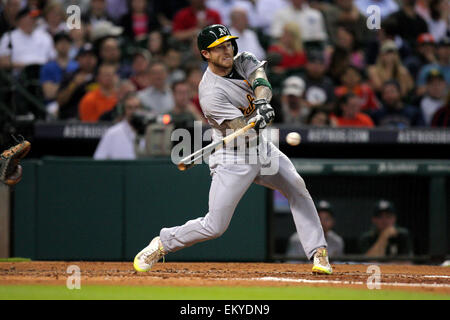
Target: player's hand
(264,114)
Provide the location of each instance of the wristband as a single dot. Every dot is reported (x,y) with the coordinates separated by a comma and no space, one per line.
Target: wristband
(261,82)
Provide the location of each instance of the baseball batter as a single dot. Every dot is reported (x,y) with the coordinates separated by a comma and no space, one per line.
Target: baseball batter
(234,91)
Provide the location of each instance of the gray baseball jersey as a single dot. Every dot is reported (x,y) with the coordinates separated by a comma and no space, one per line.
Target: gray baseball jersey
(227,98)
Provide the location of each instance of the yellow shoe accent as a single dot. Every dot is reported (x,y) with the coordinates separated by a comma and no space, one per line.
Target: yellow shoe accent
(136,267)
(317,269)
(148,256)
(321,263)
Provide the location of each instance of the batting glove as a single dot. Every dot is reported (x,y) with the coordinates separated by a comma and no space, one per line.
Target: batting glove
(264,114)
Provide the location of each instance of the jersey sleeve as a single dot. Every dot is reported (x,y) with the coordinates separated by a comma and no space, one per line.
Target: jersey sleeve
(217,107)
(246,63)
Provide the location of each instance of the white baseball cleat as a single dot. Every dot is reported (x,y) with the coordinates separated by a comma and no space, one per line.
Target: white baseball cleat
(151,254)
(321,263)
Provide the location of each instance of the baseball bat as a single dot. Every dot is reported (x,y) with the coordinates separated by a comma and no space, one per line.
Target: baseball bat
(189,161)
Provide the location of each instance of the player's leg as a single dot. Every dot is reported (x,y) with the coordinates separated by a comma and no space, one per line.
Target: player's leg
(229,183)
(292,186)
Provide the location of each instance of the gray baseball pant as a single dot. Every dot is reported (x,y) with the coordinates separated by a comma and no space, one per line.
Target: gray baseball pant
(229,183)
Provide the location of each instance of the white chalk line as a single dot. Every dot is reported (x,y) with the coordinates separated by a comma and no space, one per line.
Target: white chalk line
(391,284)
(394,284)
(431,276)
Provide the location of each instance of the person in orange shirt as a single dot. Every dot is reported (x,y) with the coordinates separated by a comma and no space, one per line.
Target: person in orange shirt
(351,81)
(103,98)
(348,113)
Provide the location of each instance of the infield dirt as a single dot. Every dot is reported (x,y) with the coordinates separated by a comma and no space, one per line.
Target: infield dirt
(398,277)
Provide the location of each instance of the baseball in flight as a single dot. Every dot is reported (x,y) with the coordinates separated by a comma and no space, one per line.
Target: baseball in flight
(293,138)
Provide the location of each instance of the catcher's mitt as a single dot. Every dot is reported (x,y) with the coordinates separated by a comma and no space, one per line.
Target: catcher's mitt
(10,169)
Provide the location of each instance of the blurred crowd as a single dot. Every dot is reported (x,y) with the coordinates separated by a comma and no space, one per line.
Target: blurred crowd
(330,62)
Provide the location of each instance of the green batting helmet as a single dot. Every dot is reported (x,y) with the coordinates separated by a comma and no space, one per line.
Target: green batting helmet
(213,35)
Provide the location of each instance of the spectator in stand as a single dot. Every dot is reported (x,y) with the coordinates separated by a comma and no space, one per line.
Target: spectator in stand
(158,97)
(407,24)
(434,96)
(265,11)
(166,11)
(96,13)
(54,18)
(394,112)
(140,65)
(424,54)
(124,88)
(191,56)
(385,239)
(156,44)
(293,107)
(53,72)
(319,88)
(109,53)
(387,7)
(79,37)
(116,9)
(193,77)
(118,142)
(173,61)
(310,21)
(75,85)
(319,117)
(139,20)
(442,64)
(188,22)
(351,81)
(226,7)
(386,32)
(26,45)
(335,242)
(348,114)
(339,61)
(248,39)
(289,49)
(389,67)
(441,117)
(346,40)
(184,112)
(345,13)
(437,19)
(8,15)
(101,99)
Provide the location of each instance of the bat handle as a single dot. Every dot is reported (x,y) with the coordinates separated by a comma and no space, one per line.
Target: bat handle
(182,166)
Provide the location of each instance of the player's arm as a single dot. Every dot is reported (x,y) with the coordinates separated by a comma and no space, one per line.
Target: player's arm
(260,84)
(263,93)
(236,123)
